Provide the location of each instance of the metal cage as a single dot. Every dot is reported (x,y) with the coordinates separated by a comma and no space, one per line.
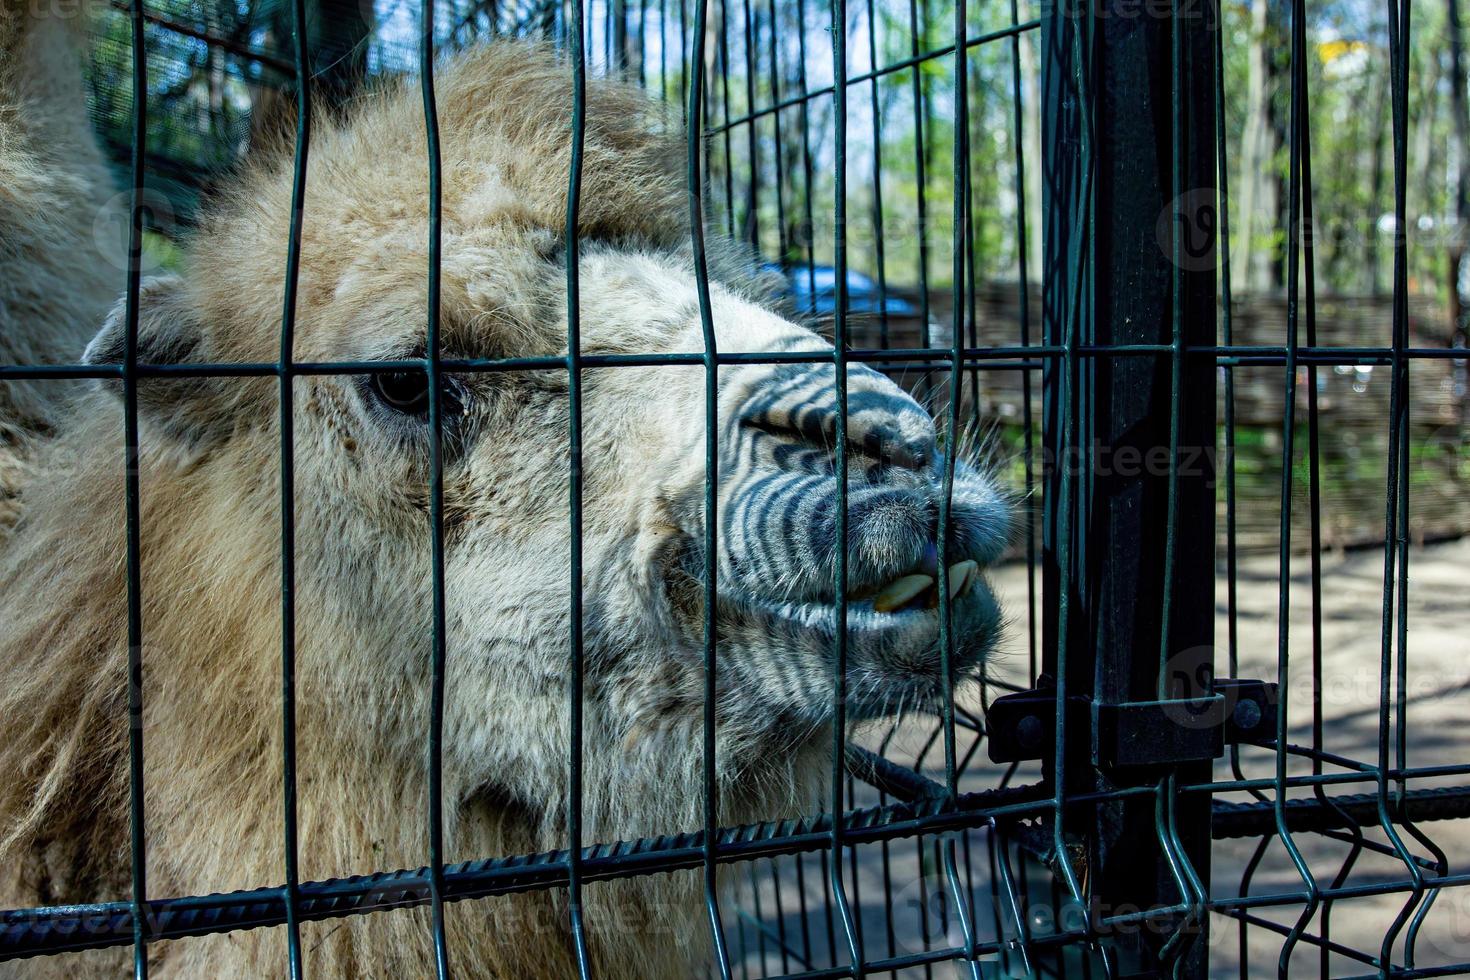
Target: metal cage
(1128,802)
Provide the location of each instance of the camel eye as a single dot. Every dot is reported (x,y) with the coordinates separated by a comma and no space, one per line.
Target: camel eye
(403,391)
(407,393)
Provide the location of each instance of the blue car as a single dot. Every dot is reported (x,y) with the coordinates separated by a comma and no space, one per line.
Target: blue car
(814,288)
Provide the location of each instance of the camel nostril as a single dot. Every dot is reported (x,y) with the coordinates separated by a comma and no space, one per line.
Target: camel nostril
(881,443)
(888,446)
(896,452)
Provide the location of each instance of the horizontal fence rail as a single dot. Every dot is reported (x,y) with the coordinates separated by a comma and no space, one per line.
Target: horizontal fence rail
(44,931)
(936,151)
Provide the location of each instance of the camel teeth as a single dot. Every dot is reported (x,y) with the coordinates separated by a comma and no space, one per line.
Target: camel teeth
(961,575)
(970,582)
(900,591)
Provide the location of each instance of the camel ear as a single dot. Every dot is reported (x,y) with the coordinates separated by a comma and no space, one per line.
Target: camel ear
(191,410)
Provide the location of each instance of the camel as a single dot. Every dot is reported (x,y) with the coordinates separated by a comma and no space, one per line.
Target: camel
(210,546)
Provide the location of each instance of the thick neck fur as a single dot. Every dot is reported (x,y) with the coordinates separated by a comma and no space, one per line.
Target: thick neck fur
(213,744)
(210,548)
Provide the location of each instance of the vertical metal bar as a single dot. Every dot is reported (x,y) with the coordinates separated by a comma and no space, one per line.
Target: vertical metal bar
(1068,159)
(853,872)
(880,259)
(1176,352)
(137,838)
(941,900)
(1001,872)
(803,916)
(436,502)
(725,132)
(886,854)
(919,30)
(829,909)
(779,148)
(1395,540)
(1024,315)
(952,426)
(806,157)
(1177,948)
(921,907)
(695,180)
(1314,453)
(1401,707)
(288,486)
(994,886)
(575,483)
(962,906)
(952,436)
(839,356)
(1181,868)
(1227,333)
(1113,546)
(1314,493)
(1283,651)
(783,946)
(1247,874)
(685,108)
(760,933)
(752,201)
(1227,329)
(970,320)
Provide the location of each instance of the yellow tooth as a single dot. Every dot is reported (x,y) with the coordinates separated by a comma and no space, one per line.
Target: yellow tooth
(961,574)
(970,582)
(900,591)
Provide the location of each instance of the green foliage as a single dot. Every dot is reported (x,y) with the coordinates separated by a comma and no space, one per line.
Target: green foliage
(204,100)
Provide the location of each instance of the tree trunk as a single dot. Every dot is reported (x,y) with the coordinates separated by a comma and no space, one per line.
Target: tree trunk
(1372,257)
(617,18)
(1422,152)
(1460,148)
(1259,195)
(339,34)
(1031,134)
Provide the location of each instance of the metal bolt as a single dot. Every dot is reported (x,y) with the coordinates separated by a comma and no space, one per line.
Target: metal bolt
(1028,733)
(1247,714)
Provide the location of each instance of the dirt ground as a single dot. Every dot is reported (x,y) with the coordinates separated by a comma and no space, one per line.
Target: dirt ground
(1437,699)
(905,893)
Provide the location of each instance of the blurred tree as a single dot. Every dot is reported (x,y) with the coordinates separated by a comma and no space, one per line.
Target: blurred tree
(1257,262)
(1460,143)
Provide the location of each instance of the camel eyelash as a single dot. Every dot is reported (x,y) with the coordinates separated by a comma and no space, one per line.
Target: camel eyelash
(405,394)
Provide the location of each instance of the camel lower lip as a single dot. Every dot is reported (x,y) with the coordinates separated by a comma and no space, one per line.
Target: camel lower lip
(860,614)
(911,627)
(785,648)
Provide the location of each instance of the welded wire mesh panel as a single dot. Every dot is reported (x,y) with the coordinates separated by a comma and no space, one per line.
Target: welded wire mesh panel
(1352,755)
(1219,736)
(216,107)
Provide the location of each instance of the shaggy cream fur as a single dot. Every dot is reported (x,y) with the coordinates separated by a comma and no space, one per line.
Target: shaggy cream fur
(211,571)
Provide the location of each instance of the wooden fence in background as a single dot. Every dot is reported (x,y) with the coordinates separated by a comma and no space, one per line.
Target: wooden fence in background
(1352,402)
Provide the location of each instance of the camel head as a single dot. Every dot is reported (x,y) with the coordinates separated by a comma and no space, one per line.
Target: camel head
(362,446)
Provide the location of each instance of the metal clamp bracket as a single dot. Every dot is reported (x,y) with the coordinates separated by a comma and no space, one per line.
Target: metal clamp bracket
(1135,733)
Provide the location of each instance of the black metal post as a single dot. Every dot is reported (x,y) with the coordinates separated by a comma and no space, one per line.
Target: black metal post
(1129,149)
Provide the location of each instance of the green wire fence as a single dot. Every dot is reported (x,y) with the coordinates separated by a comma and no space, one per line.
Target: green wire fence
(1082,817)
